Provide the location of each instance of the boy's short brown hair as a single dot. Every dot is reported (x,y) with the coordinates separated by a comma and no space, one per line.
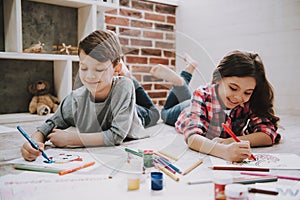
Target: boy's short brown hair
(102,45)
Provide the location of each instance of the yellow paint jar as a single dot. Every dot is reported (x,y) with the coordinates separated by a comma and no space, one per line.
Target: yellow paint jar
(133,182)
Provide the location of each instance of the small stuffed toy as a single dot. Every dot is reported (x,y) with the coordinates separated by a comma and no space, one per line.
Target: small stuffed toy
(35,48)
(42,101)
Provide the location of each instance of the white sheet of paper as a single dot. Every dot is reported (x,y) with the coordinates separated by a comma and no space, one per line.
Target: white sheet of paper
(63,160)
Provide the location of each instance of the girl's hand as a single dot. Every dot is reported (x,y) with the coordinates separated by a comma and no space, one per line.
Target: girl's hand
(223,140)
(60,138)
(237,151)
(219,140)
(29,153)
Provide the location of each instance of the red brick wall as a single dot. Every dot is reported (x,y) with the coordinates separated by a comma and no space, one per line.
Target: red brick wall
(147,34)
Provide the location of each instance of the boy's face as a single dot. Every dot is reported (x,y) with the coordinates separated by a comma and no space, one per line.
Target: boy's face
(96,76)
(234,91)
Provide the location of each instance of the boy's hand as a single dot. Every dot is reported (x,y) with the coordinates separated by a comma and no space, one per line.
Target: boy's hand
(60,138)
(29,153)
(237,151)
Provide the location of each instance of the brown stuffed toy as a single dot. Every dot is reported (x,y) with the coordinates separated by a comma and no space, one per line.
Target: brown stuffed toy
(42,101)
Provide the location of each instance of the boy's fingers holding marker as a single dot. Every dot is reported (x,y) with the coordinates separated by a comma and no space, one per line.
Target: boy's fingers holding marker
(29,153)
(41,146)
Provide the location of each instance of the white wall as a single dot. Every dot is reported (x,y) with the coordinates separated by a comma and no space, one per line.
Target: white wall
(208,29)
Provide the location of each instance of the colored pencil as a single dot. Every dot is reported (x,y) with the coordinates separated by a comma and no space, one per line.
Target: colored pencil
(262,191)
(242,180)
(251,180)
(199,182)
(278,176)
(229,131)
(167,172)
(161,156)
(171,165)
(193,167)
(165,165)
(76,168)
(238,168)
(168,155)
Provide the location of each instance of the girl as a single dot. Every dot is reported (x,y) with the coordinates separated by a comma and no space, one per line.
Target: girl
(239,96)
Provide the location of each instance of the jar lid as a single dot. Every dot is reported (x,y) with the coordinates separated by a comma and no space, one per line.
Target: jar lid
(148,151)
(236,190)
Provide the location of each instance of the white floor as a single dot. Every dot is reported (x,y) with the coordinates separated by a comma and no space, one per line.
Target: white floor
(161,135)
(289,129)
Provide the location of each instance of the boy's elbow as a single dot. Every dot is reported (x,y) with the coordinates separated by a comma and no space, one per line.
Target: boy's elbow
(113,140)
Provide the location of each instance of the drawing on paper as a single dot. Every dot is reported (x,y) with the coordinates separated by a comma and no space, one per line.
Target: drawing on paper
(267,160)
(65,158)
(262,160)
(62,159)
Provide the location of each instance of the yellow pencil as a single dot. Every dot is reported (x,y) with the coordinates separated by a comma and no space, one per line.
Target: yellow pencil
(167,172)
(193,167)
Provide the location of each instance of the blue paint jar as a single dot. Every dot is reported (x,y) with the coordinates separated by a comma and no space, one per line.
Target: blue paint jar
(156,180)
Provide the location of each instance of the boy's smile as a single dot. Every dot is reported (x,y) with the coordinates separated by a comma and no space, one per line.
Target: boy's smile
(96,76)
(234,91)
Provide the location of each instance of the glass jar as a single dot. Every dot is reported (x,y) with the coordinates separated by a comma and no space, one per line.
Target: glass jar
(219,186)
(148,158)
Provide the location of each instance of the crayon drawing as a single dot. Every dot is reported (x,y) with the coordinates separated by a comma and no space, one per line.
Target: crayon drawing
(265,160)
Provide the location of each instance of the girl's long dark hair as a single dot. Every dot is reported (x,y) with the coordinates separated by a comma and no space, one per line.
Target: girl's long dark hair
(246,64)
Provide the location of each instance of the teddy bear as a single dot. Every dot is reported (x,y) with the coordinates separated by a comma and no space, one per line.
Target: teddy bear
(42,101)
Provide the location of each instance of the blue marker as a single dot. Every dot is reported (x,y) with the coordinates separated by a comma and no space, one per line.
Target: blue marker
(33,144)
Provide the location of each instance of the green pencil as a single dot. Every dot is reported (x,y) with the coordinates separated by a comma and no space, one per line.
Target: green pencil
(37,168)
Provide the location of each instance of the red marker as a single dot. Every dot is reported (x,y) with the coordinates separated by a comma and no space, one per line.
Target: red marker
(229,131)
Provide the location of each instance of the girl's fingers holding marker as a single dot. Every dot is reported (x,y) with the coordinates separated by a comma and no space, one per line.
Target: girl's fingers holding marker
(238,151)
(245,143)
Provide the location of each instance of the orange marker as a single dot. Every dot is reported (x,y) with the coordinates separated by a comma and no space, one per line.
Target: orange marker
(229,131)
(75,169)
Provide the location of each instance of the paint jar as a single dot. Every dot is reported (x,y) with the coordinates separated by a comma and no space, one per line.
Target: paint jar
(236,192)
(133,182)
(219,186)
(148,158)
(156,180)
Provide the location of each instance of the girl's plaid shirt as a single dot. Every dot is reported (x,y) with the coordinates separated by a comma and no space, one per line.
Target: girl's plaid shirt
(205,115)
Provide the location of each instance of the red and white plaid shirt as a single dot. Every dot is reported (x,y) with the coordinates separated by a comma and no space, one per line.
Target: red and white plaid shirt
(205,116)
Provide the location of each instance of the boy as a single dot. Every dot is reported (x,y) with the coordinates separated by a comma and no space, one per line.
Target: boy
(104,109)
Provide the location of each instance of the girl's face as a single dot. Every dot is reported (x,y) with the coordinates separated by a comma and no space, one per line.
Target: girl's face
(234,91)
(96,76)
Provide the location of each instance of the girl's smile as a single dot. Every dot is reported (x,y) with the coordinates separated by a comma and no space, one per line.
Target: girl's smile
(234,91)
